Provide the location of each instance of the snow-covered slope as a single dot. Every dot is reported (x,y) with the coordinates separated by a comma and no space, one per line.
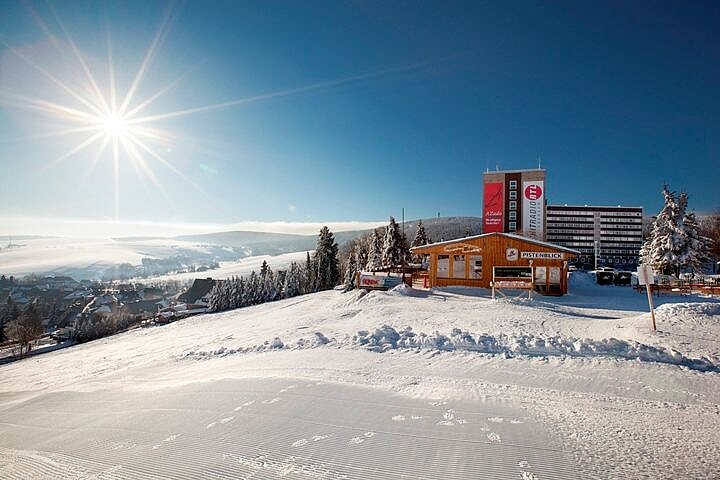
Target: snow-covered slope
(547,388)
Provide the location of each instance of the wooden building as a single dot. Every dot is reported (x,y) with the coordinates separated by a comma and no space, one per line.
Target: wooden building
(471,261)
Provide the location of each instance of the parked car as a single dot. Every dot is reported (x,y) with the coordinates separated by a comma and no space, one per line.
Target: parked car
(604,277)
(622,278)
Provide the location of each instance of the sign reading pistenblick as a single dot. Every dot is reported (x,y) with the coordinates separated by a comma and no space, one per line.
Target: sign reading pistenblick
(543,255)
(533,208)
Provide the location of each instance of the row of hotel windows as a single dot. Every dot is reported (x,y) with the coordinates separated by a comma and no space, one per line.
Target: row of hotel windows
(609,260)
(556,227)
(458,266)
(555,218)
(591,214)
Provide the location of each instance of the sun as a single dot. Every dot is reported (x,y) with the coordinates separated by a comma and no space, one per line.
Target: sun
(115,125)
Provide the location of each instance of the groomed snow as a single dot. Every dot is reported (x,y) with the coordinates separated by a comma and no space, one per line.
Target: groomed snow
(569,387)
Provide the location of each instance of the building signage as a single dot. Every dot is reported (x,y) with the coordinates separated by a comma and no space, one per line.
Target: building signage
(379,281)
(511,254)
(533,208)
(543,255)
(462,248)
(493,207)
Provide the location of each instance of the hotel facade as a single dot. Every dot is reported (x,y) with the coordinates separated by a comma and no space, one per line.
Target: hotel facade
(614,234)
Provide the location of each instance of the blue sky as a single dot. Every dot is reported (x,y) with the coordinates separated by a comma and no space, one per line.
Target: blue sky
(366,107)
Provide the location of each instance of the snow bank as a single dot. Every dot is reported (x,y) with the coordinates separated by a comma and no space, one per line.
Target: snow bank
(387,338)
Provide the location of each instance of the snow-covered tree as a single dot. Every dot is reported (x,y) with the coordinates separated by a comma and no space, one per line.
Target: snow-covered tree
(309,282)
(674,241)
(694,249)
(395,251)
(375,250)
(350,272)
(325,260)
(361,255)
(420,239)
(293,282)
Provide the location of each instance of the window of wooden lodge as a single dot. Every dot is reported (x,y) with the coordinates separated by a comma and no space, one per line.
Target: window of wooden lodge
(443,266)
(475,266)
(458,266)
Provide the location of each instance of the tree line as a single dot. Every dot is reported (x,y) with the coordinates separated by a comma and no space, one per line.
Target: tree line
(321,271)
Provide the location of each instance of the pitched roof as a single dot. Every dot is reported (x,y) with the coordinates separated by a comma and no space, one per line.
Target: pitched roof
(508,235)
(199,288)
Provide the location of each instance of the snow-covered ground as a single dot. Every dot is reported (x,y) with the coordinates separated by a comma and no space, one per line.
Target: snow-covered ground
(400,384)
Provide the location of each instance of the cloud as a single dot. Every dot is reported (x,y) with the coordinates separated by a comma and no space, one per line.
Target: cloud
(85,228)
(292,208)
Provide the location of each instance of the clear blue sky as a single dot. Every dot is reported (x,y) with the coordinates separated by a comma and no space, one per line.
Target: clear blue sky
(407,104)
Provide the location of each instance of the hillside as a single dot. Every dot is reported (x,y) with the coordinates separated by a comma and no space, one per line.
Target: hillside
(399,384)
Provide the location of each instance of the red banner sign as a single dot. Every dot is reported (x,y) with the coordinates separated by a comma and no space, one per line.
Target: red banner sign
(493,207)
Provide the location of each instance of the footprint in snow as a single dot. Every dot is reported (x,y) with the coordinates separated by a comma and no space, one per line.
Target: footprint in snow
(528,476)
(369,434)
(494,437)
(300,443)
(290,387)
(523,464)
(317,438)
(211,425)
(227,419)
(271,401)
(356,441)
(399,418)
(496,419)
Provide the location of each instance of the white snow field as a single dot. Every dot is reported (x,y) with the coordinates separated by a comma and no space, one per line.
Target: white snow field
(399,384)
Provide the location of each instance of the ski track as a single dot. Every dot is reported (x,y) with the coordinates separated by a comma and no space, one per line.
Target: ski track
(301,437)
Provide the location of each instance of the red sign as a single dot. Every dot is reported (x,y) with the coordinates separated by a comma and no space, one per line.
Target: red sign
(493,207)
(533,191)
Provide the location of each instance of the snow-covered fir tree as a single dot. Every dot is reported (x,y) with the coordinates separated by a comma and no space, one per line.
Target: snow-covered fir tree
(264,269)
(395,251)
(694,249)
(293,282)
(674,241)
(350,272)
(309,281)
(361,255)
(420,239)
(375,250)
(325,260)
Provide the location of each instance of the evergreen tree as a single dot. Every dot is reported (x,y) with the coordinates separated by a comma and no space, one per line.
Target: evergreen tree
(325,261)
(361,255)
(264,269)
(694,248)
(375,251)
(293,282)
(674,241)
(350,272)
(395,252)
(309,283)
(420,239)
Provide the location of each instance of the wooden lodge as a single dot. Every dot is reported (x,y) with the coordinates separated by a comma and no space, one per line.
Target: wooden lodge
(511,260)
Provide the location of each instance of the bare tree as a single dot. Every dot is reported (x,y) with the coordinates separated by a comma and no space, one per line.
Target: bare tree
(26,328)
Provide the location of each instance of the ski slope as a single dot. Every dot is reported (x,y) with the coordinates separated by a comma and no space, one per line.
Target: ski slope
(335,385)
